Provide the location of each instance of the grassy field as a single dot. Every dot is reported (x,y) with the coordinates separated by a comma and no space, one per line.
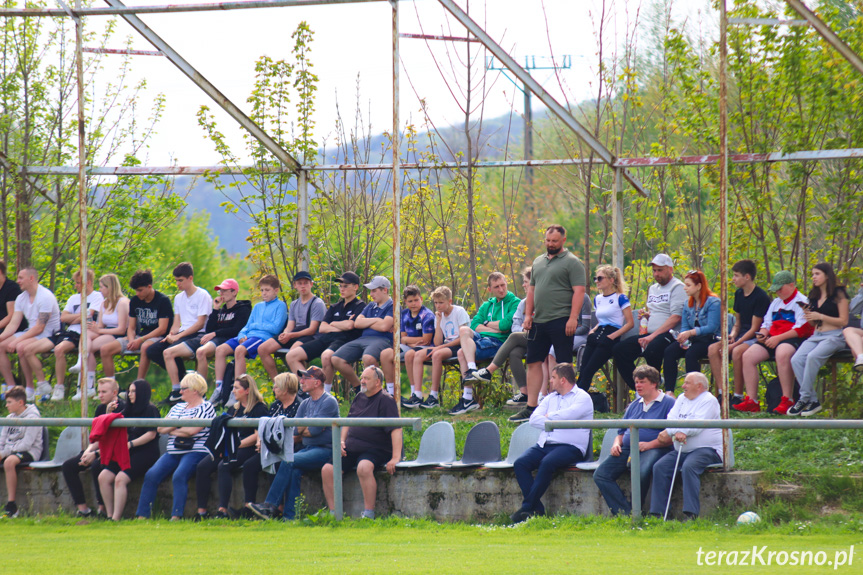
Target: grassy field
(561,544)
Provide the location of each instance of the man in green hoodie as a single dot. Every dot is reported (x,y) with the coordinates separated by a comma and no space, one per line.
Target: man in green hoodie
(488,330)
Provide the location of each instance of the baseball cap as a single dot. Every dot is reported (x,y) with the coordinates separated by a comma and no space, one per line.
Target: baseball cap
(780,279)
(379,282)
(302,275)
(348,278)
(662,260)
(313,372)
(229,283)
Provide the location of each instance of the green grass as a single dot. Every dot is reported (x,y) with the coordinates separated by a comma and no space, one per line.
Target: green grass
(555,545)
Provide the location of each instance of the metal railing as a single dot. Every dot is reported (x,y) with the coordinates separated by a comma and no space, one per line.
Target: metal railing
(335,422)
(635,424)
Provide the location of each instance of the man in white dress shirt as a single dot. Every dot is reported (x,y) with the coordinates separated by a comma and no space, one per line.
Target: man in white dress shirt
(554,449)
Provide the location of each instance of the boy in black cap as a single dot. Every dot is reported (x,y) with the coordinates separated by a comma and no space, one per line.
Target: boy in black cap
(304,316)
(336,329)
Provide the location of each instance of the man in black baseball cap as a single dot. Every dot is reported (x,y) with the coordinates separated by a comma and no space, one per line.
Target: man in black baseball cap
(335,330)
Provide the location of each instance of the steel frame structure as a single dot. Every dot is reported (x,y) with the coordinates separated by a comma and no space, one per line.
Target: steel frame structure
(620,166)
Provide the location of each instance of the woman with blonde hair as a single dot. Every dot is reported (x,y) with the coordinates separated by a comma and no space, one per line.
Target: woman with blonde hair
(614,320)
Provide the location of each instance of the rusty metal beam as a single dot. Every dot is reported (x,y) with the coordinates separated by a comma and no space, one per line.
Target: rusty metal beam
(166,8)
(767,22)
(829,35)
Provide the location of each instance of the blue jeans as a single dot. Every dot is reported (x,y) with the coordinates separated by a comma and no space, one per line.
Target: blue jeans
(183,467)
(287,479)
(486,347)
(692,466)
(609,470)
(547,460)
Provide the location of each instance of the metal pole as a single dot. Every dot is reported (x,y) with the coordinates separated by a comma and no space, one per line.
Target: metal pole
(337,471)
(397,260)
(822,28)
(53,12)
(635,473)
(723,220)
(303,217)
(621,392)
(82,214)
(528,139)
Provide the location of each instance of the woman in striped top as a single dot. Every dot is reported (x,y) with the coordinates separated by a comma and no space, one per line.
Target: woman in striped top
(180,460)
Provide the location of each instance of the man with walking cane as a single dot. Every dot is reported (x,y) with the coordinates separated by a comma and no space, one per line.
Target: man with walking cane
(695,449)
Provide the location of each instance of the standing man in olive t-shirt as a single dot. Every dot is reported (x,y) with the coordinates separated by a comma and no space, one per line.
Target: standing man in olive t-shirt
(551,310)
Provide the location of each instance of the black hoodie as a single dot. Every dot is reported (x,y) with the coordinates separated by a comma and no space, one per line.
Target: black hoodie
(227,323)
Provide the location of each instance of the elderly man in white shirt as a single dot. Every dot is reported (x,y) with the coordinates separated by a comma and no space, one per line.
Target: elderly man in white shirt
(554,449)
(699,447)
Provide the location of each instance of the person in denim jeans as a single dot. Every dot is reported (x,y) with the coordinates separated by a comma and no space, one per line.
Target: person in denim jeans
(317,448)
(182,463)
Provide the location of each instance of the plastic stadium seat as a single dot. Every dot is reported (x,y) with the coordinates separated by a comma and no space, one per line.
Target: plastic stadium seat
(730,451)
(523,438)
(437,446)
(68,446)
(481,446)
(605,452)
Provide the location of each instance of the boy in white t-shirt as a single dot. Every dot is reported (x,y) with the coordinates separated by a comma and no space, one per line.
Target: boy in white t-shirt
(62,341)
(39,307)
(192,307)
(448,319)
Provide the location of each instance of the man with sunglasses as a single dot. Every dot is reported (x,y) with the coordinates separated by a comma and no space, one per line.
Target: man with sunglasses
(335,330)
(665,302)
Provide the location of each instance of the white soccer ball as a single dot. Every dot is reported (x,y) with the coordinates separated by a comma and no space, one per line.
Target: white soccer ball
(748,517)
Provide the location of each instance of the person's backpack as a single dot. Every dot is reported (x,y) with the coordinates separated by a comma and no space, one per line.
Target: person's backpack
(773,395)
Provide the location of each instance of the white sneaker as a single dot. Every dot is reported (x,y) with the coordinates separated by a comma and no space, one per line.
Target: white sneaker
(59,393)
(77,367)
(232,401)
(43,390)
(31,395)
(90,394)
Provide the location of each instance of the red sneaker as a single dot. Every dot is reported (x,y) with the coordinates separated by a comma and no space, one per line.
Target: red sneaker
(747,405)
(784,405)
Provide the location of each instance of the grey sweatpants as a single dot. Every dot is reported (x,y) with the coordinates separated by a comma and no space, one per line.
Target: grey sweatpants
(514,349)
(811,356)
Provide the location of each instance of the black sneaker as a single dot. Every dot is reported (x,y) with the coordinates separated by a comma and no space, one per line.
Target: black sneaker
(197,517)
(523,415)
(811,408)
(482,375)
(517,399)
(413,402)
(263,510)
(797,408)
(735,400)
(430,402)
(82,514)
(222,515)
(173,397)
(469,375)
(11,510)
(464,406)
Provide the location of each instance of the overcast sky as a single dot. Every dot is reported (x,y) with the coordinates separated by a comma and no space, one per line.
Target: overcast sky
(355,39)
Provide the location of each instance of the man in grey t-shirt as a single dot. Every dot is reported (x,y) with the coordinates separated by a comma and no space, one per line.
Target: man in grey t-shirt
(665,301)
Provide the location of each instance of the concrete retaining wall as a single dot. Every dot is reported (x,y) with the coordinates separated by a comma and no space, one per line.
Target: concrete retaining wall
(443,494)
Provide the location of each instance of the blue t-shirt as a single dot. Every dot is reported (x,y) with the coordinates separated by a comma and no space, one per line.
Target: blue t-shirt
(420,325)
(374,311)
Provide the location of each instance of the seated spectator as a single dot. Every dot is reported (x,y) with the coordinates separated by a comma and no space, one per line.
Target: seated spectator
(143,451)
(150,313)
(241,448)
(700,448)
(335,330)
(417,331)
(486,333)
(109,402)
(665,301)
(783,330)
(367,449)
(111,323)
(227,317)
(513,349)
(750,307)
(827,314)
(266,320)
(854,335)
(699,328)
(305,315)
(18,444)
(449,319)
(192,308)
(185,449)
(614,316)
(651,403)
(316,451)
(65,339)
(38,307)
(376,321)
(555,449)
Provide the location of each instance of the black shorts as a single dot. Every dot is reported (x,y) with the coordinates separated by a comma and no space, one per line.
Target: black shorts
(543,336)
(194,343)
(140,462)
(795,341)
(305,339)
(59,337)
(321,343)
(24,456)
(378,457)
